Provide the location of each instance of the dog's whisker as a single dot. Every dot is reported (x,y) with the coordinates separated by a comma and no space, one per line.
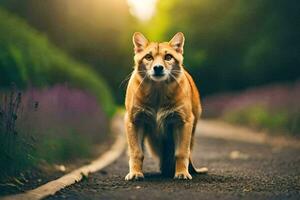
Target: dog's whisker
(138,88)
(126,79)
(178,84)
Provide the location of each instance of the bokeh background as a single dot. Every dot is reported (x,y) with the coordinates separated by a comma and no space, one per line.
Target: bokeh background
(65,61)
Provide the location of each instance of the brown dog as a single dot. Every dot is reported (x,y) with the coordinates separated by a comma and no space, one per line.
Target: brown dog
(162,108)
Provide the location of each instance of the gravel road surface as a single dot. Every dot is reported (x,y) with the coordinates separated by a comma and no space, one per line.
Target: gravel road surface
(236,170)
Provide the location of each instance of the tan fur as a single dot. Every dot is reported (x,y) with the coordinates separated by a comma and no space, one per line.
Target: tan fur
(163,112)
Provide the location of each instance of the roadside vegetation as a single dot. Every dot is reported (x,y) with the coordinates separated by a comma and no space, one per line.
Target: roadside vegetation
(274,108)
(44,128)
(27,58)
(53,109)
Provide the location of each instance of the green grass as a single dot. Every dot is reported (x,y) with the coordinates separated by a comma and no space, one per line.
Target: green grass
(64,148)
(15,148)
(260,117)
(16,155)
(27,58)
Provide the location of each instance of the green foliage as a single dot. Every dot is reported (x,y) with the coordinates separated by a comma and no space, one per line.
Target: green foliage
(64,148)
(97,32)
(231,45)
(28,59)
(258,116)
(16,154)
(16,149)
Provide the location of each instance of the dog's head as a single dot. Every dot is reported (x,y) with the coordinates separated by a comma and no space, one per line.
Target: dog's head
(158,61)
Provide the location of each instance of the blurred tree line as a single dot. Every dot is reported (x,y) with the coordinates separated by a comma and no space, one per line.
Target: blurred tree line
(233,44)
(28,59)
(95,32)
(230,44)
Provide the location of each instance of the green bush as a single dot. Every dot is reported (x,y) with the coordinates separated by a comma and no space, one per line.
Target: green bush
(28,59)
(64,148)
(259,116)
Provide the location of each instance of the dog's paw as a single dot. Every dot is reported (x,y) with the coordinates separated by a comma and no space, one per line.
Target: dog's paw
(182,176)
(134,176)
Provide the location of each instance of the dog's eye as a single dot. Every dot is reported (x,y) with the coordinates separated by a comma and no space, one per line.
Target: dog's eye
(168,57)
(148,57)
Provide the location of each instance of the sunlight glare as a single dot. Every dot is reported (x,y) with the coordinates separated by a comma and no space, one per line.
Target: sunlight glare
(142,9)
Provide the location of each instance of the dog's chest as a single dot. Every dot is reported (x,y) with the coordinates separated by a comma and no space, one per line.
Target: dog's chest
(157,109)
(157,118)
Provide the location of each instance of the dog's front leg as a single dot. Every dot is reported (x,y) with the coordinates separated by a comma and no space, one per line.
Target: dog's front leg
(182,152)
(136,156)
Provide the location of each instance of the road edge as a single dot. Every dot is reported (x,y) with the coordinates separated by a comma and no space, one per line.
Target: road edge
(222,130)
(77,175)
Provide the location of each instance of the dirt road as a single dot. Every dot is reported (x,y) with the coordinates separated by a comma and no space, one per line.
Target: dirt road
(237,169)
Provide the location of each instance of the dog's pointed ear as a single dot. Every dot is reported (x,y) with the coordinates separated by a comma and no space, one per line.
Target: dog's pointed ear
(177,42)
(139,41)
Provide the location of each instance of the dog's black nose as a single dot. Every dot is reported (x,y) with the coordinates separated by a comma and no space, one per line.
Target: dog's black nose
(158,70)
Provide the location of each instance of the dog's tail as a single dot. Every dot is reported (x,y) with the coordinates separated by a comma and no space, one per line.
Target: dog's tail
(194,170)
